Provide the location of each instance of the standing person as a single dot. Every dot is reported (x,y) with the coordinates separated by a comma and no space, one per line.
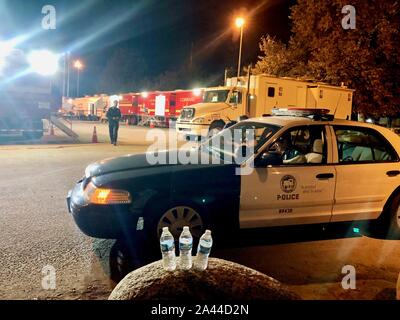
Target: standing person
(113,115)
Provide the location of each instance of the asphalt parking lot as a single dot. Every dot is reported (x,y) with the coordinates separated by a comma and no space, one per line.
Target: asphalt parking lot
(37,231)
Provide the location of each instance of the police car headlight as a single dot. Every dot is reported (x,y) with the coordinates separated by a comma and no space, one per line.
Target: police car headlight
(95,195)
(199,120)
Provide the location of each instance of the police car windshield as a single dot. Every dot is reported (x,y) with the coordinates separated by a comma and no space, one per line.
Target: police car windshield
(237,143)
(215,96)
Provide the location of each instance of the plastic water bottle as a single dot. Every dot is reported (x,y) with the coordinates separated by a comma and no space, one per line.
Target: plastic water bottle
(185,249)
(203,251)
(167,246)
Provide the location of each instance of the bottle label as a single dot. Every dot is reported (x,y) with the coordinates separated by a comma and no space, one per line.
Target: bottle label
(204,250)
(167,246)
(185,245)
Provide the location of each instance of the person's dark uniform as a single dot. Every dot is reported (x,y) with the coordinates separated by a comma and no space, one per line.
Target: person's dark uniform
(113,115)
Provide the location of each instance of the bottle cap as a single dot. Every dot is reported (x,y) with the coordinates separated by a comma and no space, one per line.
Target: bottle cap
(208,231)
(165,229)
(185,228)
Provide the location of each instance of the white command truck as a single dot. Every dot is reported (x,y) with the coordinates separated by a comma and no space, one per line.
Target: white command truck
(241,98)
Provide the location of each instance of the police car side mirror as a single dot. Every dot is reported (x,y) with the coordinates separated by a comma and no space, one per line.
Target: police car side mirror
(268,158)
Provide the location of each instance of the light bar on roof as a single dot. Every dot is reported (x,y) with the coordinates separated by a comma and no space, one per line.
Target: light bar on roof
(299,112)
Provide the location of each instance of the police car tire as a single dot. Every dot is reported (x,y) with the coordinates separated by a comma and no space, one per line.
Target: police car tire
(123,260)
(387,226)
(157,213)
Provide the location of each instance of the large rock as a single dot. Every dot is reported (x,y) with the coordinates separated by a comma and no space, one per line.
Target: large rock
(221,280)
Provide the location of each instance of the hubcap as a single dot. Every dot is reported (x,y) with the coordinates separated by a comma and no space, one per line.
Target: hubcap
(178,217)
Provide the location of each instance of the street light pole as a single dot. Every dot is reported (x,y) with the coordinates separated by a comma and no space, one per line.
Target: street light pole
(64,76)
(78,65)
(240,51)
(239,23)
(77,86)
(68,65)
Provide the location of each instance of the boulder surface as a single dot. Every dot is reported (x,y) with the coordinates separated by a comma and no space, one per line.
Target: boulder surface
(221,280)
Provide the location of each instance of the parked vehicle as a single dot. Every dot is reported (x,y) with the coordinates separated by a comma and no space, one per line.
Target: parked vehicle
(26,97)
(158,107)
(302,169)
(257,95)
(88,107)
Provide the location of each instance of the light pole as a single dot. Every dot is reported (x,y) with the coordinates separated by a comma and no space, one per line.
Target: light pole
(79,66)
(68,67)
(239,23)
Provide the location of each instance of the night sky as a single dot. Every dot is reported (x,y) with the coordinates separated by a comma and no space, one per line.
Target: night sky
(164,32)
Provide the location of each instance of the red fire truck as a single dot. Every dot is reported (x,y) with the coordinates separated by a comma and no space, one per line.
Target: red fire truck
(156,107)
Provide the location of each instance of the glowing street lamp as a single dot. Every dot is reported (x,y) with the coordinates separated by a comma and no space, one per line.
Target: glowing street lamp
(78,65)
(239,23)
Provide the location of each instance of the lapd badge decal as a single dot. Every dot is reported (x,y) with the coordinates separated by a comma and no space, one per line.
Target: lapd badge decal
(288,184)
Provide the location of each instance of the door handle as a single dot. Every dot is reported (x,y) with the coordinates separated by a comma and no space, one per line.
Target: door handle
(393,173)
(324,176)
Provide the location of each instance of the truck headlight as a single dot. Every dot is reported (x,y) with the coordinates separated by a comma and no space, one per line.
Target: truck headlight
(96,195)
(199,120)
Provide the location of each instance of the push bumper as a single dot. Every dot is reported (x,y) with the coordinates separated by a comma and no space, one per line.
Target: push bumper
(101,221)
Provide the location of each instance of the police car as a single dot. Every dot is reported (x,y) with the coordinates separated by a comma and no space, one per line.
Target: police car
(304,167)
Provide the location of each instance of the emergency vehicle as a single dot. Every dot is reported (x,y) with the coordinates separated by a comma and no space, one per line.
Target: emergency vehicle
(156,107)
(256,95)
(89,107)
(290,169)
(27,93)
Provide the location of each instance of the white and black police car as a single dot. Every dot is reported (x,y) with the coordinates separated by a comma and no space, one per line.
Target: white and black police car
(304,168)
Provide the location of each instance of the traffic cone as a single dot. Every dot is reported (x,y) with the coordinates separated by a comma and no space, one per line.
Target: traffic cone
(94,136)
(51,130)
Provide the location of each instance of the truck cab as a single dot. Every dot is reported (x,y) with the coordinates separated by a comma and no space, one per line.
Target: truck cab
(220,106)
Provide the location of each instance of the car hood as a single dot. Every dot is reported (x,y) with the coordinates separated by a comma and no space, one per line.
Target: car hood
(137,161)
(205,108)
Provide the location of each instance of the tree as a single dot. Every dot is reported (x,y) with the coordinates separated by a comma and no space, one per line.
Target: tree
(280,59)
(365,58)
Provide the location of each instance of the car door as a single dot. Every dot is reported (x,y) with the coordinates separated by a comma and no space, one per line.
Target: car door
(367,170)
(297,190)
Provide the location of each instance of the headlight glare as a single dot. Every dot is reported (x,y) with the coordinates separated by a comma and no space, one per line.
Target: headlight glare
(96,195)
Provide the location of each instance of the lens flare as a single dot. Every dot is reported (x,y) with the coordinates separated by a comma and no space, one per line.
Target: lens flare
(43,62)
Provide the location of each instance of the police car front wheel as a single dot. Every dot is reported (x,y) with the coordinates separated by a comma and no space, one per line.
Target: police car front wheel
(177,217)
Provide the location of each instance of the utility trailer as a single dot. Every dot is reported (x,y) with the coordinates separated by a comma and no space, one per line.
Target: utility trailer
(26,98)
